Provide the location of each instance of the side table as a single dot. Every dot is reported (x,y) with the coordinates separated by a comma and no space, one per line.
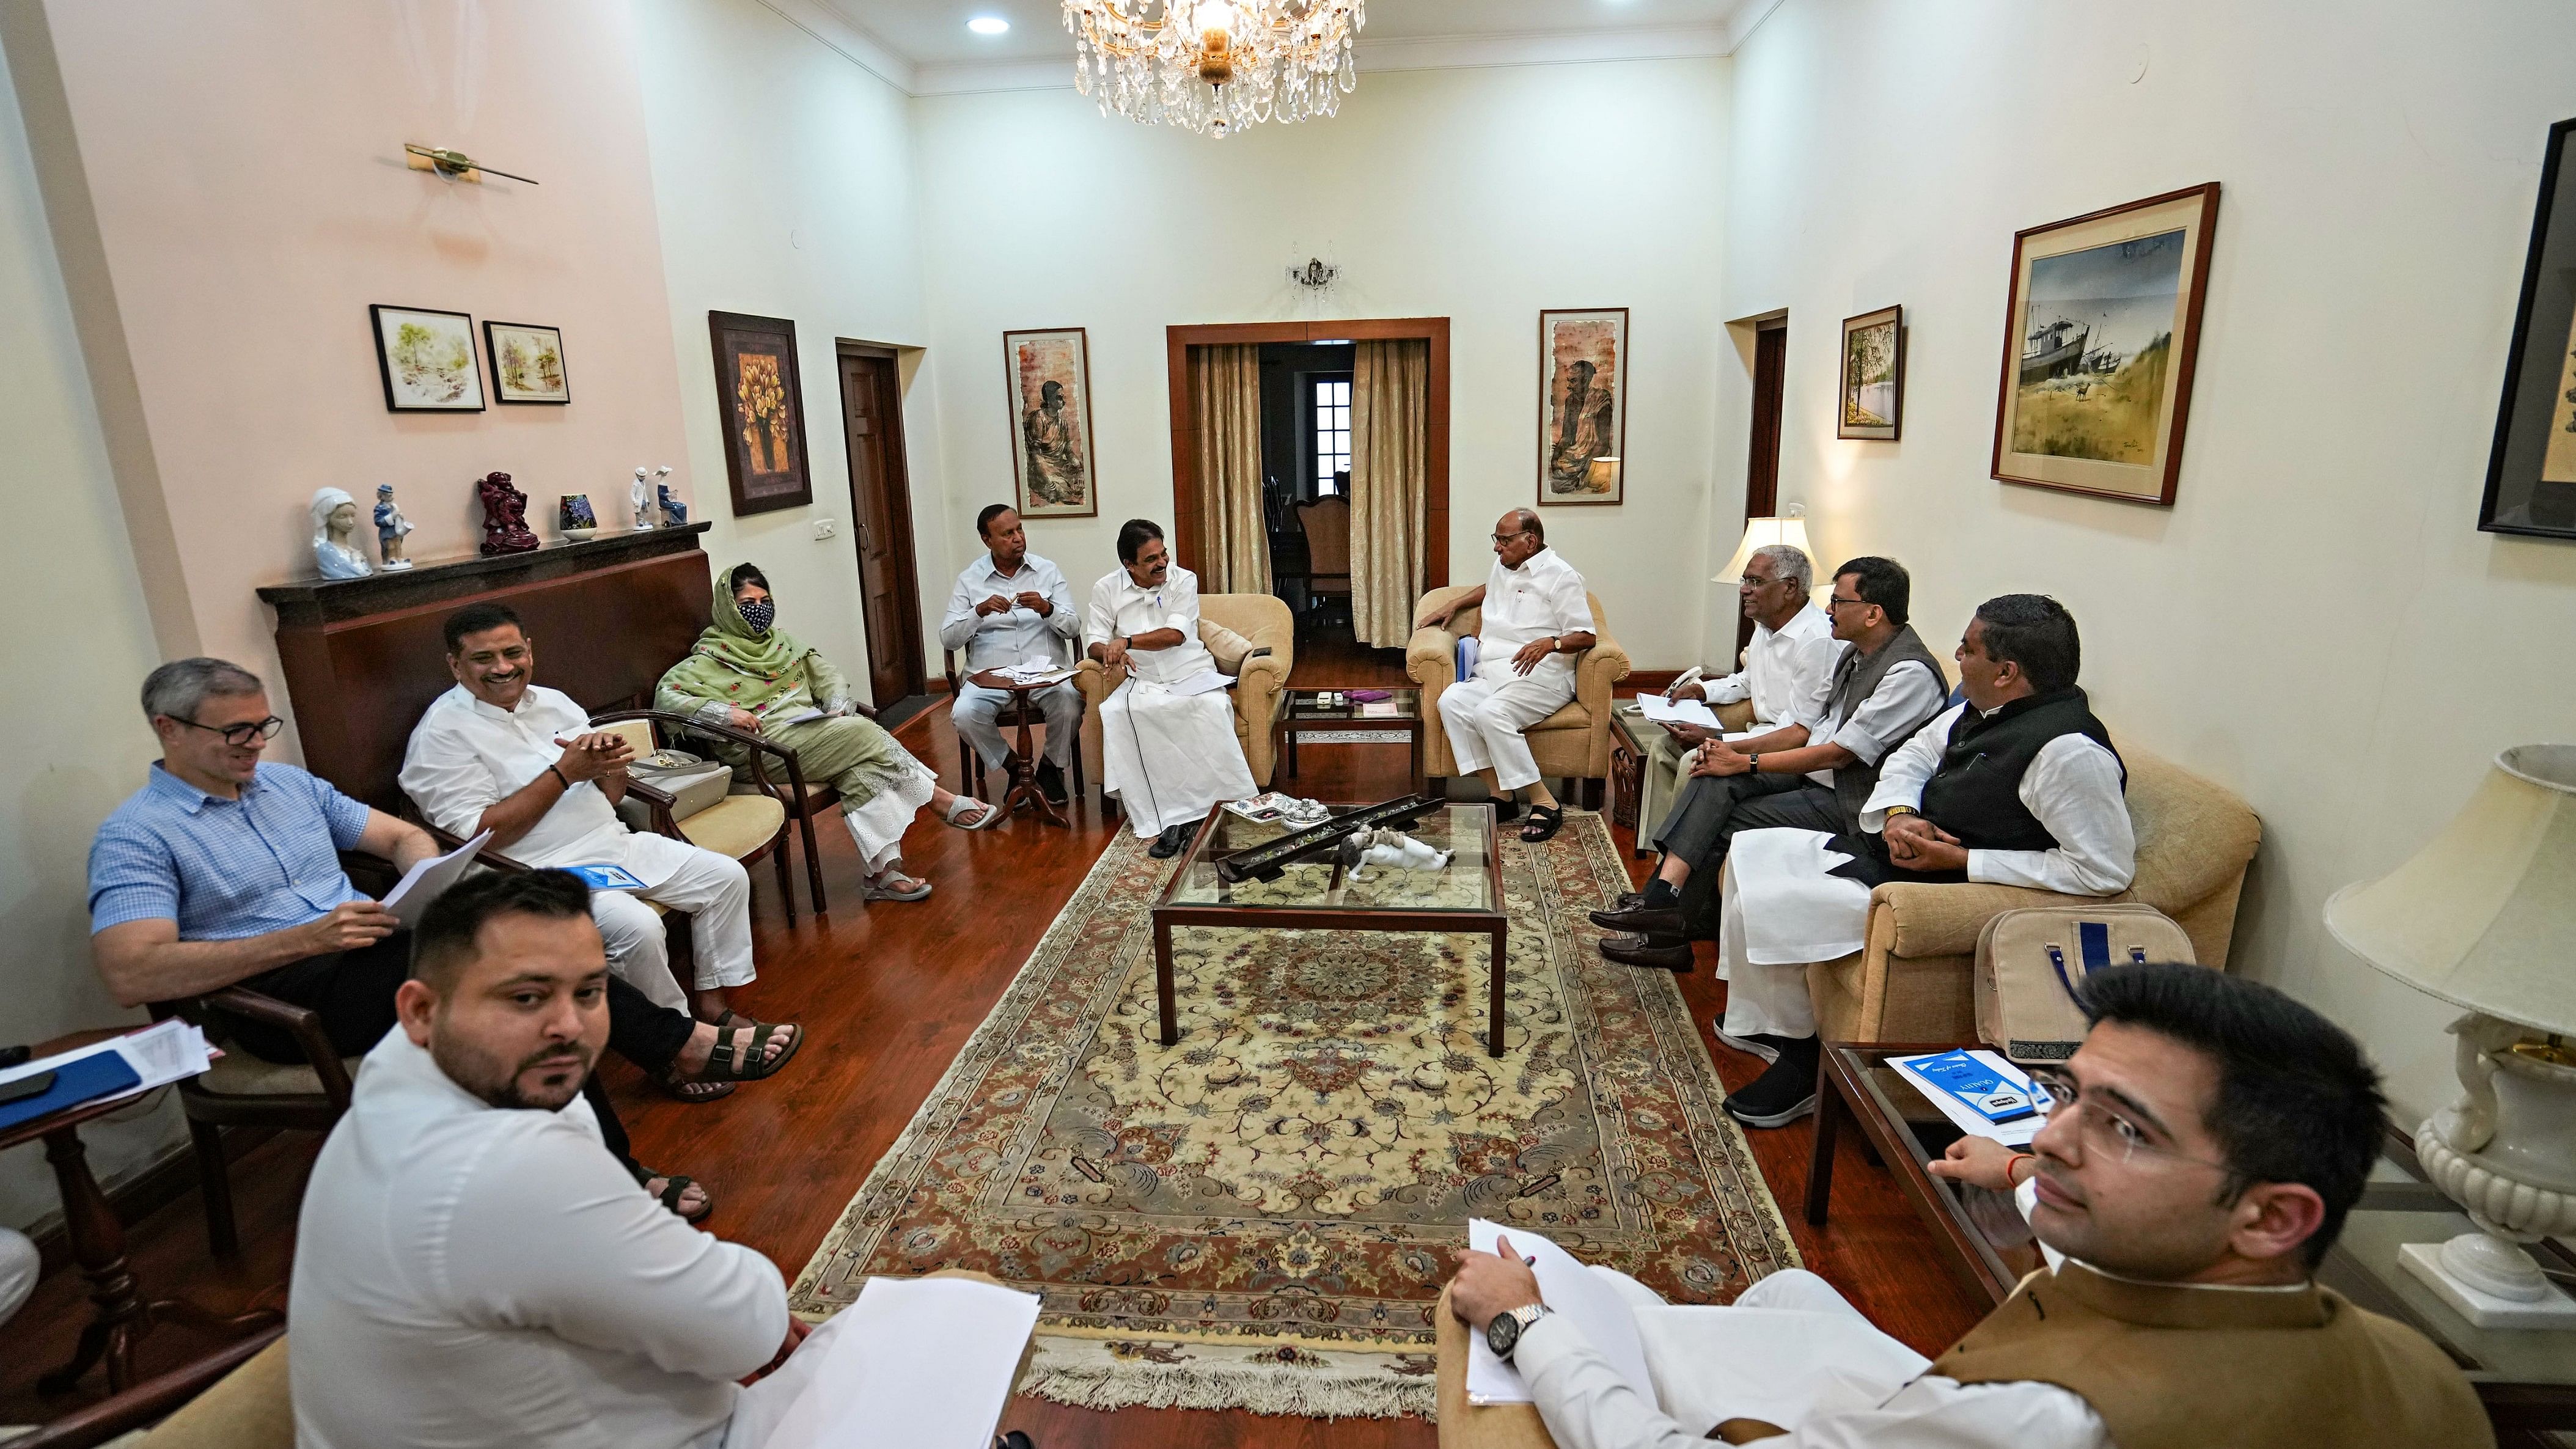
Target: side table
(1024,785)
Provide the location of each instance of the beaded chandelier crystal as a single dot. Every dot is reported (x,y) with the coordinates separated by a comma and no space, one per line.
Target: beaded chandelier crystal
(1215,66)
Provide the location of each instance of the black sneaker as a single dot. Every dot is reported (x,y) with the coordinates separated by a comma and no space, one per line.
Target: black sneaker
(1170,842)
(1759,1044)
(1785,1092)
(1051,782)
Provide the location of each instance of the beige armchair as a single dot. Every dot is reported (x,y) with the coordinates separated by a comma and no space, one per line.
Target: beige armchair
(1234,627)
(1572,744)
(1911,982)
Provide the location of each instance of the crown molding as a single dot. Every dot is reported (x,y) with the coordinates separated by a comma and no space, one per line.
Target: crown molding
(1748,17)
(835,32)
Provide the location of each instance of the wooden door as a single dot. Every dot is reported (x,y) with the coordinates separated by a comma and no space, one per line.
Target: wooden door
(881,520)
(1762,469)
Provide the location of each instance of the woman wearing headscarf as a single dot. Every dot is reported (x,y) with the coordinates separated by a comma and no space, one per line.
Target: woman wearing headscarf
(749,674)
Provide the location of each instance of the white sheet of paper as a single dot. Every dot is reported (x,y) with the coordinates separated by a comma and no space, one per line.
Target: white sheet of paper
(1779,1365)
(1206,682)
(923,1363)
(1660,710)
(159,1054)
(2010,1134)
(1588,1302)
(807,715)
(428,880)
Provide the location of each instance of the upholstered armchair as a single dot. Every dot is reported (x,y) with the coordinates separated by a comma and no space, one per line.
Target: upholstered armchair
(1572,744)
(1911,982)
(1254,638)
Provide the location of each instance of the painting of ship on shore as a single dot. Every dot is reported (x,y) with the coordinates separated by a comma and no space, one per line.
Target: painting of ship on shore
(2097,333)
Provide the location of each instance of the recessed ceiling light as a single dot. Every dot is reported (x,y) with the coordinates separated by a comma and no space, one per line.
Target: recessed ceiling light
(988,25)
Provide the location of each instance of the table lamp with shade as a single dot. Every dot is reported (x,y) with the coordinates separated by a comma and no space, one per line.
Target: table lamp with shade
(1789,528)
(2484,917)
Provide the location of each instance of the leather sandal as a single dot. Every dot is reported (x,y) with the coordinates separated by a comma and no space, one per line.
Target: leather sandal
(1544,821)
(674,1185)
(728,1063)
(692,1089)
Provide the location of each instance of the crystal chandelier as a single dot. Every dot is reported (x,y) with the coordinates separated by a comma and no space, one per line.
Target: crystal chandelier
(1215,66)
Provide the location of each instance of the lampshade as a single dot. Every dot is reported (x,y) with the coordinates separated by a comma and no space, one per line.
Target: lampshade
(2484,916)
(1790,529)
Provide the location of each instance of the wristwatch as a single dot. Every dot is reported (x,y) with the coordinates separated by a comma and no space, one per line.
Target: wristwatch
(1753,764)
(1504,1333)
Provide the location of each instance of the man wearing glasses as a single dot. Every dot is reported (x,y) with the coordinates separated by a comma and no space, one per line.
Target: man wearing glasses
(1535,620)
(2206,1143)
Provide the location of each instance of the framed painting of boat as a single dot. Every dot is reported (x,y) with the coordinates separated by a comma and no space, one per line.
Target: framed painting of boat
(2100,340)
(2531,474)
(1871,394)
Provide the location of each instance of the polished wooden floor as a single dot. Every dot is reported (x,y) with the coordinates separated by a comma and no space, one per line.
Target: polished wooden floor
(889,993)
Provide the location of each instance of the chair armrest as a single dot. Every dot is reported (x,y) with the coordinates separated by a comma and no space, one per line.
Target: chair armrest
(1737,717)
(150,1401)
(1263,667)
(659,803)
(1096,681)
(754,746)
(1431,657)
(302,1023)
(1944,920)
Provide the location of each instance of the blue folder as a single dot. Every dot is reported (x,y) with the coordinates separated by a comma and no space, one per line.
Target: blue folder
(100,1074)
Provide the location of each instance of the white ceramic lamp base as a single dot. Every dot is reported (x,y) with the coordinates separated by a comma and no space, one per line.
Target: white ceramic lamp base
(2553,1309)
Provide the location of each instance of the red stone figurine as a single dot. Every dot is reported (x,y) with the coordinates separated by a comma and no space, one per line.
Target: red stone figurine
(505,516)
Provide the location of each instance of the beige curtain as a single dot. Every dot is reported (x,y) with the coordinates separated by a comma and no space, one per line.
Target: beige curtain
(1234,545)
(1390,478)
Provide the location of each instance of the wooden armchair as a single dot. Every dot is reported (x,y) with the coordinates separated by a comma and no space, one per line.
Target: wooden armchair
(236,1397)
(1572,744)
(745,826)
(242,1090)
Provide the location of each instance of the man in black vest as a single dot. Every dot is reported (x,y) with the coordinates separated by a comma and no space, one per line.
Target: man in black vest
(1885,686)
(2018,786)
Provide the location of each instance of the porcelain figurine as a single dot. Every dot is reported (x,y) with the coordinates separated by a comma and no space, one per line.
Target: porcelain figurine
(505,515)
(390,528)
(573,516)
(1390,849)
(641,498)
(335,518)
(675,514)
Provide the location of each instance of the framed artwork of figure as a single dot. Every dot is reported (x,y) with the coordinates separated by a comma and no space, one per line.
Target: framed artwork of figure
(426,360)
(1582,405)
(2100,340)
(760,403)
(1871,395)
(2531,474)
(1048,373)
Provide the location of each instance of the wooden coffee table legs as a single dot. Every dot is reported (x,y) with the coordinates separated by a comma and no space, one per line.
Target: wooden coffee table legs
(1163,981)
(1831,1109)
(1494,992)
(1500,937)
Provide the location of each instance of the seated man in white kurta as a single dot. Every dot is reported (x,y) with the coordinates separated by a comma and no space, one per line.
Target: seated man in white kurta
(2019,786)
(1535,621)
(1169,757)
(499,753)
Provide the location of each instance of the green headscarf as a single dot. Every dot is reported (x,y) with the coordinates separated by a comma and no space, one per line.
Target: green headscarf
(731,663)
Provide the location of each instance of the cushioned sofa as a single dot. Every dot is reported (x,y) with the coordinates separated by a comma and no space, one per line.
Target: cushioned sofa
(1571,744)
(1235,628)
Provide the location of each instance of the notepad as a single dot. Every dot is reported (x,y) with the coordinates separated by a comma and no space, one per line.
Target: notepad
(916,1363)
(1980,1092)
(604,877)
(1587,1300)
(429,879)
(1677,711)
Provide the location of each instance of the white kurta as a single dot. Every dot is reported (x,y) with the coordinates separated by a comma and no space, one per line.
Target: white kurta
(1486,716)
(1169,758)
(1787,672)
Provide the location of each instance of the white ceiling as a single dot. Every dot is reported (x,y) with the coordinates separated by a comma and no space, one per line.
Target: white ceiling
(931,35)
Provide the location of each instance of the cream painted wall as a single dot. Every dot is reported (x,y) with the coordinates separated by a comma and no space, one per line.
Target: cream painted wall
(1480,195)
(2316,622)
(782,174)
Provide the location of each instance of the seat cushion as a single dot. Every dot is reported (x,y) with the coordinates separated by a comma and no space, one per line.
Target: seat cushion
(250,1408)
(239,1074)
(1573,717)
(736,826)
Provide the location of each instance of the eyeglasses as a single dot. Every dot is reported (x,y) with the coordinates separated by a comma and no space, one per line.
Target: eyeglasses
(238,735)
(1836,601)
(1508,537)
(2104,1126)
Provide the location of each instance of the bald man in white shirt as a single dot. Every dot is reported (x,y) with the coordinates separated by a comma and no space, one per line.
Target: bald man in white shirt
(1536,619)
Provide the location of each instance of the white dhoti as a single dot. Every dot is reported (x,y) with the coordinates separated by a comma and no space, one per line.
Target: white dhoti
(1170,758)
(1484,716)
(1781,909)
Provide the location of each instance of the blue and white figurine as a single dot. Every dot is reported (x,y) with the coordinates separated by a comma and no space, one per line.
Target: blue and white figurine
(675,514)
(390,528)
(335,518)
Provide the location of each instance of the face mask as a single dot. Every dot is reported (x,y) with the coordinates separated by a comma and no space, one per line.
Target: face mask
(757,613)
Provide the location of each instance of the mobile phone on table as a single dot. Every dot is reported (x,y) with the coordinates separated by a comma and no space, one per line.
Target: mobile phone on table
(25,1087)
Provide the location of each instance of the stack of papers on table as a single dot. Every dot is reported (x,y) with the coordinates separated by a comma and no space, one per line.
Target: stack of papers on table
(121,1066)
(1973,1088)
(1035,672)
(1666,711)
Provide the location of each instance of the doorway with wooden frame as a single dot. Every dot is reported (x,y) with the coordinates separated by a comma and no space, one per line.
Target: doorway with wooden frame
(881,528)
(1762,462)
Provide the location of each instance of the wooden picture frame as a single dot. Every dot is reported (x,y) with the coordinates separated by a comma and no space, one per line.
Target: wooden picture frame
(2531,471)
(1054,473)
(1582,434)
(760,411)
(527,363)
(2101,339)
(426,359)
(1869,390)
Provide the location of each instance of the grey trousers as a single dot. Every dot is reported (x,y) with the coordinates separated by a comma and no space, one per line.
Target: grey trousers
(1709,812)
(977,707)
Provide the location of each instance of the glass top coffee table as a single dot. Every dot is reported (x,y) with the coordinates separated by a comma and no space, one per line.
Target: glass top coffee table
(1463,898)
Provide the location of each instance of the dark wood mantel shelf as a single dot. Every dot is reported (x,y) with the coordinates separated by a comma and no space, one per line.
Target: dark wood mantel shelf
(331,601)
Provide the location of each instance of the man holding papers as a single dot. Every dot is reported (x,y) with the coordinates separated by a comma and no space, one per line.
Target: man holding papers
(1167,744)
(2206,1143)
(1012,607)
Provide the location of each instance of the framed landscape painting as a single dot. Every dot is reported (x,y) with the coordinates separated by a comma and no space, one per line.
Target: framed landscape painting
(1582,405)
(2100,340)
(1049,375)
(527,363)
(426,359)
(2531,474)
(1871,395)
(760,404)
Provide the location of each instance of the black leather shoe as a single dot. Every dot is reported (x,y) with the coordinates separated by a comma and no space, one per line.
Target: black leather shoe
(1785,1092)
(1170,842)
(1051,782)
(1642,920)
(1665,953)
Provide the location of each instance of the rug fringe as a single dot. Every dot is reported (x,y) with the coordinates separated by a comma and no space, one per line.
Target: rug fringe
(1252,1387)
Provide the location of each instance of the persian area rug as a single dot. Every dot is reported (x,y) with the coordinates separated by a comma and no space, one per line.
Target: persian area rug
(1261,1216)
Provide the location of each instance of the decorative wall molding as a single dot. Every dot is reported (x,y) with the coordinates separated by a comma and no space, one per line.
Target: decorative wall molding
(854,44)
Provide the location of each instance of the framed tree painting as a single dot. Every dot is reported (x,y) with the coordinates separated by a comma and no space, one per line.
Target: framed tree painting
(760,403)
(426,360)
(1049,376)
(527,363)
(2531,474)
(1582,405)
(1871,395)
(2100,339)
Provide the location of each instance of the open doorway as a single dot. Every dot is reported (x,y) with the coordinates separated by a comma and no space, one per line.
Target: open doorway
(1762,462)
(881,525)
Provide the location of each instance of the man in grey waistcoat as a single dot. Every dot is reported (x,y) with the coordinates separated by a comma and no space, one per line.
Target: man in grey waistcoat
(1886,686)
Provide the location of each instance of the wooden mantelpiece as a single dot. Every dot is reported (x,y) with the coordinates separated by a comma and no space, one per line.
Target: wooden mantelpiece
(364,657)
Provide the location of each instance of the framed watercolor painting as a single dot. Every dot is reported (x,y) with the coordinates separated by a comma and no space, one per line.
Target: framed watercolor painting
(760,404)
(2100,340)
(1582,405)
(527,363)
(1049,376)
(1870,399)
(2531,474)
(426,359)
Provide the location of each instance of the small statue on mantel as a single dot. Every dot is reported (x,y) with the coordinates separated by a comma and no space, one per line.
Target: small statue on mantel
(390,528)
(641,496)
(505,516)
(335,519)
(675,514)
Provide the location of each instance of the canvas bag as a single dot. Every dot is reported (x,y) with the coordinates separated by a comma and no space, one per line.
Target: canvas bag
(2030,963)
(693,783)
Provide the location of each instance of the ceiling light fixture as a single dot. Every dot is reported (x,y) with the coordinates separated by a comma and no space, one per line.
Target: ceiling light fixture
(1215,66)
(988,25)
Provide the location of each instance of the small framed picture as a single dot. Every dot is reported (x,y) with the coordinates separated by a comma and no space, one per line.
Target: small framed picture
(760,401)
(427,360)
(1872,392)
(2531,474)
(527,363)
(1049,373)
